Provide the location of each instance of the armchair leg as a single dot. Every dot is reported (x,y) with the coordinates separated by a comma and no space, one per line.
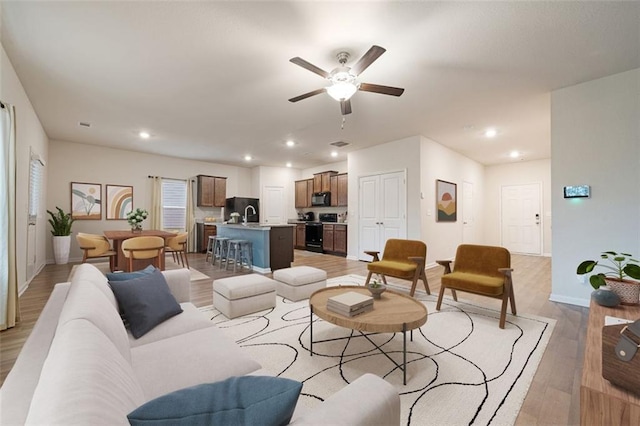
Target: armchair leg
(454,294)
(512,299)
(425,282)
(440,296)
(368,278)
(503,310)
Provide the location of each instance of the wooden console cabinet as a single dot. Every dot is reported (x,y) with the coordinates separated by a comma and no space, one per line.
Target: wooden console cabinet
(602,403)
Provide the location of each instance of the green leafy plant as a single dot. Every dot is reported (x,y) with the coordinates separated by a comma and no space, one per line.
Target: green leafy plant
(375,283)
(60,223)
(619,266)
(136,217)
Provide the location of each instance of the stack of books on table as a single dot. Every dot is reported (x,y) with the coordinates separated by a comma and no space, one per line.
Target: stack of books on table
(350,304)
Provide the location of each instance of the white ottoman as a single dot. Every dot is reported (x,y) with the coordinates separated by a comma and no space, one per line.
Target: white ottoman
(244,294)
(299,282)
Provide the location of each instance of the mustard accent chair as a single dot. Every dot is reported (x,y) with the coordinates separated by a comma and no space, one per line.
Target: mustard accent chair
(143,248)
(404,259)
(177,246)
(96,246)
(483,270)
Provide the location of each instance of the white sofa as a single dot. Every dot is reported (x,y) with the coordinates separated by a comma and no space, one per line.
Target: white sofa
(81,366)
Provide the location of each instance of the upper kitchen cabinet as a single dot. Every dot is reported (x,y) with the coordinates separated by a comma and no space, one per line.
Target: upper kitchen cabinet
(212,191)
(304,189)
(339,190)
(322,181)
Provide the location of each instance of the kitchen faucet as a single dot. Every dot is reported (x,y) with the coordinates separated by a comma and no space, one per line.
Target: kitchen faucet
(245,212)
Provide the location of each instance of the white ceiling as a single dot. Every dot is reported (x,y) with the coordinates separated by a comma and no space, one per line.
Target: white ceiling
(210,80)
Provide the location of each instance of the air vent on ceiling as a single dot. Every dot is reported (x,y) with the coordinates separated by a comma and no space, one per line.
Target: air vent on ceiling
(84,124)
(339,144)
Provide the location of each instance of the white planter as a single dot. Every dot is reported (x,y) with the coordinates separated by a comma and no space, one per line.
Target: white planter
(61,249)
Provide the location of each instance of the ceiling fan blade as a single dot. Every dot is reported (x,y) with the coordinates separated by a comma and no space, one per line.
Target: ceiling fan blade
(307,95)
(345,107)
(309,66)
(367,59)
(385,90)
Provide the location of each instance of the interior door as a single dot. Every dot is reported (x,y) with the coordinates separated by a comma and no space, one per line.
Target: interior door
(273,205)
(382,211)
(521,218)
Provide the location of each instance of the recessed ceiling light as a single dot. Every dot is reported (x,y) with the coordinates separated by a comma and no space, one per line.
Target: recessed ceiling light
(290,143)
(247,158)
(491,133)
(288,164)
(514,154)
(334,153)
(144,135)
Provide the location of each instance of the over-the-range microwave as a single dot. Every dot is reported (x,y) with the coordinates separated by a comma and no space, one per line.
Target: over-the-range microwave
(321,199)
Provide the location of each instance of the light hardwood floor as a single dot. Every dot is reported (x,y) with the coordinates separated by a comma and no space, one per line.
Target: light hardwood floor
(554,395)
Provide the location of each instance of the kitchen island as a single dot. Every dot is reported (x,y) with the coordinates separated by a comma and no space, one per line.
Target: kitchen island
(272,244)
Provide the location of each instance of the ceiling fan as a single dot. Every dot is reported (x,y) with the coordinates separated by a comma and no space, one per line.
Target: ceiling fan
(343,79)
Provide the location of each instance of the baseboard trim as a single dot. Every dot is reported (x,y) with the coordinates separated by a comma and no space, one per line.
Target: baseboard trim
(569,300)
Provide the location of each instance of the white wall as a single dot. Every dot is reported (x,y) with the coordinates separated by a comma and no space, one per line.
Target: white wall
(517,173)
(277,176)
(440,162)
(595,140)
(73,162)
(29,135)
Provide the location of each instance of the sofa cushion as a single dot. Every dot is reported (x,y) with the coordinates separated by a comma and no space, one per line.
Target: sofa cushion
(84,381)
(201,356)
(125,276)
(248,400)
(145,302)
(190,319)
(86,301)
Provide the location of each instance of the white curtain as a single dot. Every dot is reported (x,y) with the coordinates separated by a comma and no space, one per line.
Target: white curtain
(191,219)
(9,308)
(156,202)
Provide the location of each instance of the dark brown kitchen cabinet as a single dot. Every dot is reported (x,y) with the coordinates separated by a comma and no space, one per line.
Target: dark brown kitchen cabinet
(204,232)
(322,181)
(327,238)
(339,190)
(300,231)
(304,190)
(212,191)
(340,239)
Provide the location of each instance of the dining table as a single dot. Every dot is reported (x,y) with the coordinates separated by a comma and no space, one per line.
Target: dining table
(122,263)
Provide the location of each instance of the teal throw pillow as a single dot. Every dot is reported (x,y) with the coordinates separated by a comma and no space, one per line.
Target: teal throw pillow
(125,276)
(245,400)
(145,302)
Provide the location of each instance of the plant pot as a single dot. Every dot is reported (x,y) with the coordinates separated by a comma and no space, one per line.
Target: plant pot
(377,291)
(627,290)
(604,296)
(61,246)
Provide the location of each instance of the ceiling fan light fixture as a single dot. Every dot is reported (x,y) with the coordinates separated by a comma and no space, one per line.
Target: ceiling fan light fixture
(341,91)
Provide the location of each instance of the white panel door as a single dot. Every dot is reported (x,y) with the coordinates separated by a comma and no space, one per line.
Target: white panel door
(272,205)
(521,219)
(382,211)
(467,213)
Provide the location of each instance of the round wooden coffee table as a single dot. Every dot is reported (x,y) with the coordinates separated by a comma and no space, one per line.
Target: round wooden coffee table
(394,312)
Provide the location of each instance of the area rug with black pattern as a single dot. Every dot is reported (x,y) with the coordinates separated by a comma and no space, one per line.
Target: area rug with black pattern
(461,367)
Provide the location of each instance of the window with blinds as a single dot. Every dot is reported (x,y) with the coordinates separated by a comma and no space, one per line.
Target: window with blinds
(174,204)
(35,188)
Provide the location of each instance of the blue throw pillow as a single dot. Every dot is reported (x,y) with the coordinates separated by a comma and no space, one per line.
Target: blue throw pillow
(245,400)
(145,302)
(125,276)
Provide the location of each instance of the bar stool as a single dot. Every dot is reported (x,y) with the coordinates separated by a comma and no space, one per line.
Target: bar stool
(210,246)
(220,250)
(241,253)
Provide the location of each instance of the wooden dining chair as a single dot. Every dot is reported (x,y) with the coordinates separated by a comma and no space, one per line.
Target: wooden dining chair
(143,248)
(177,246)
(96,246)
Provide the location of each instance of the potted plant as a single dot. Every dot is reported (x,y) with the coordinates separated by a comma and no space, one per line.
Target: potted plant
(61,230)
(619,266)
(376,288)
(135,219)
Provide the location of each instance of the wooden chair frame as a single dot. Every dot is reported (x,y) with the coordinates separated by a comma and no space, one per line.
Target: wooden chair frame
(156,258)
(110,254)
(419,273)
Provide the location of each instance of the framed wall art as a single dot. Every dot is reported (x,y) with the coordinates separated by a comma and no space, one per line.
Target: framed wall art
(446,201)
(86,201)
(119,201)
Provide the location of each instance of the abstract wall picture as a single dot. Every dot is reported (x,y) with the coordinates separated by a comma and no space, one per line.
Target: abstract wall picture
(119,201)
(446,200)
(86,201)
